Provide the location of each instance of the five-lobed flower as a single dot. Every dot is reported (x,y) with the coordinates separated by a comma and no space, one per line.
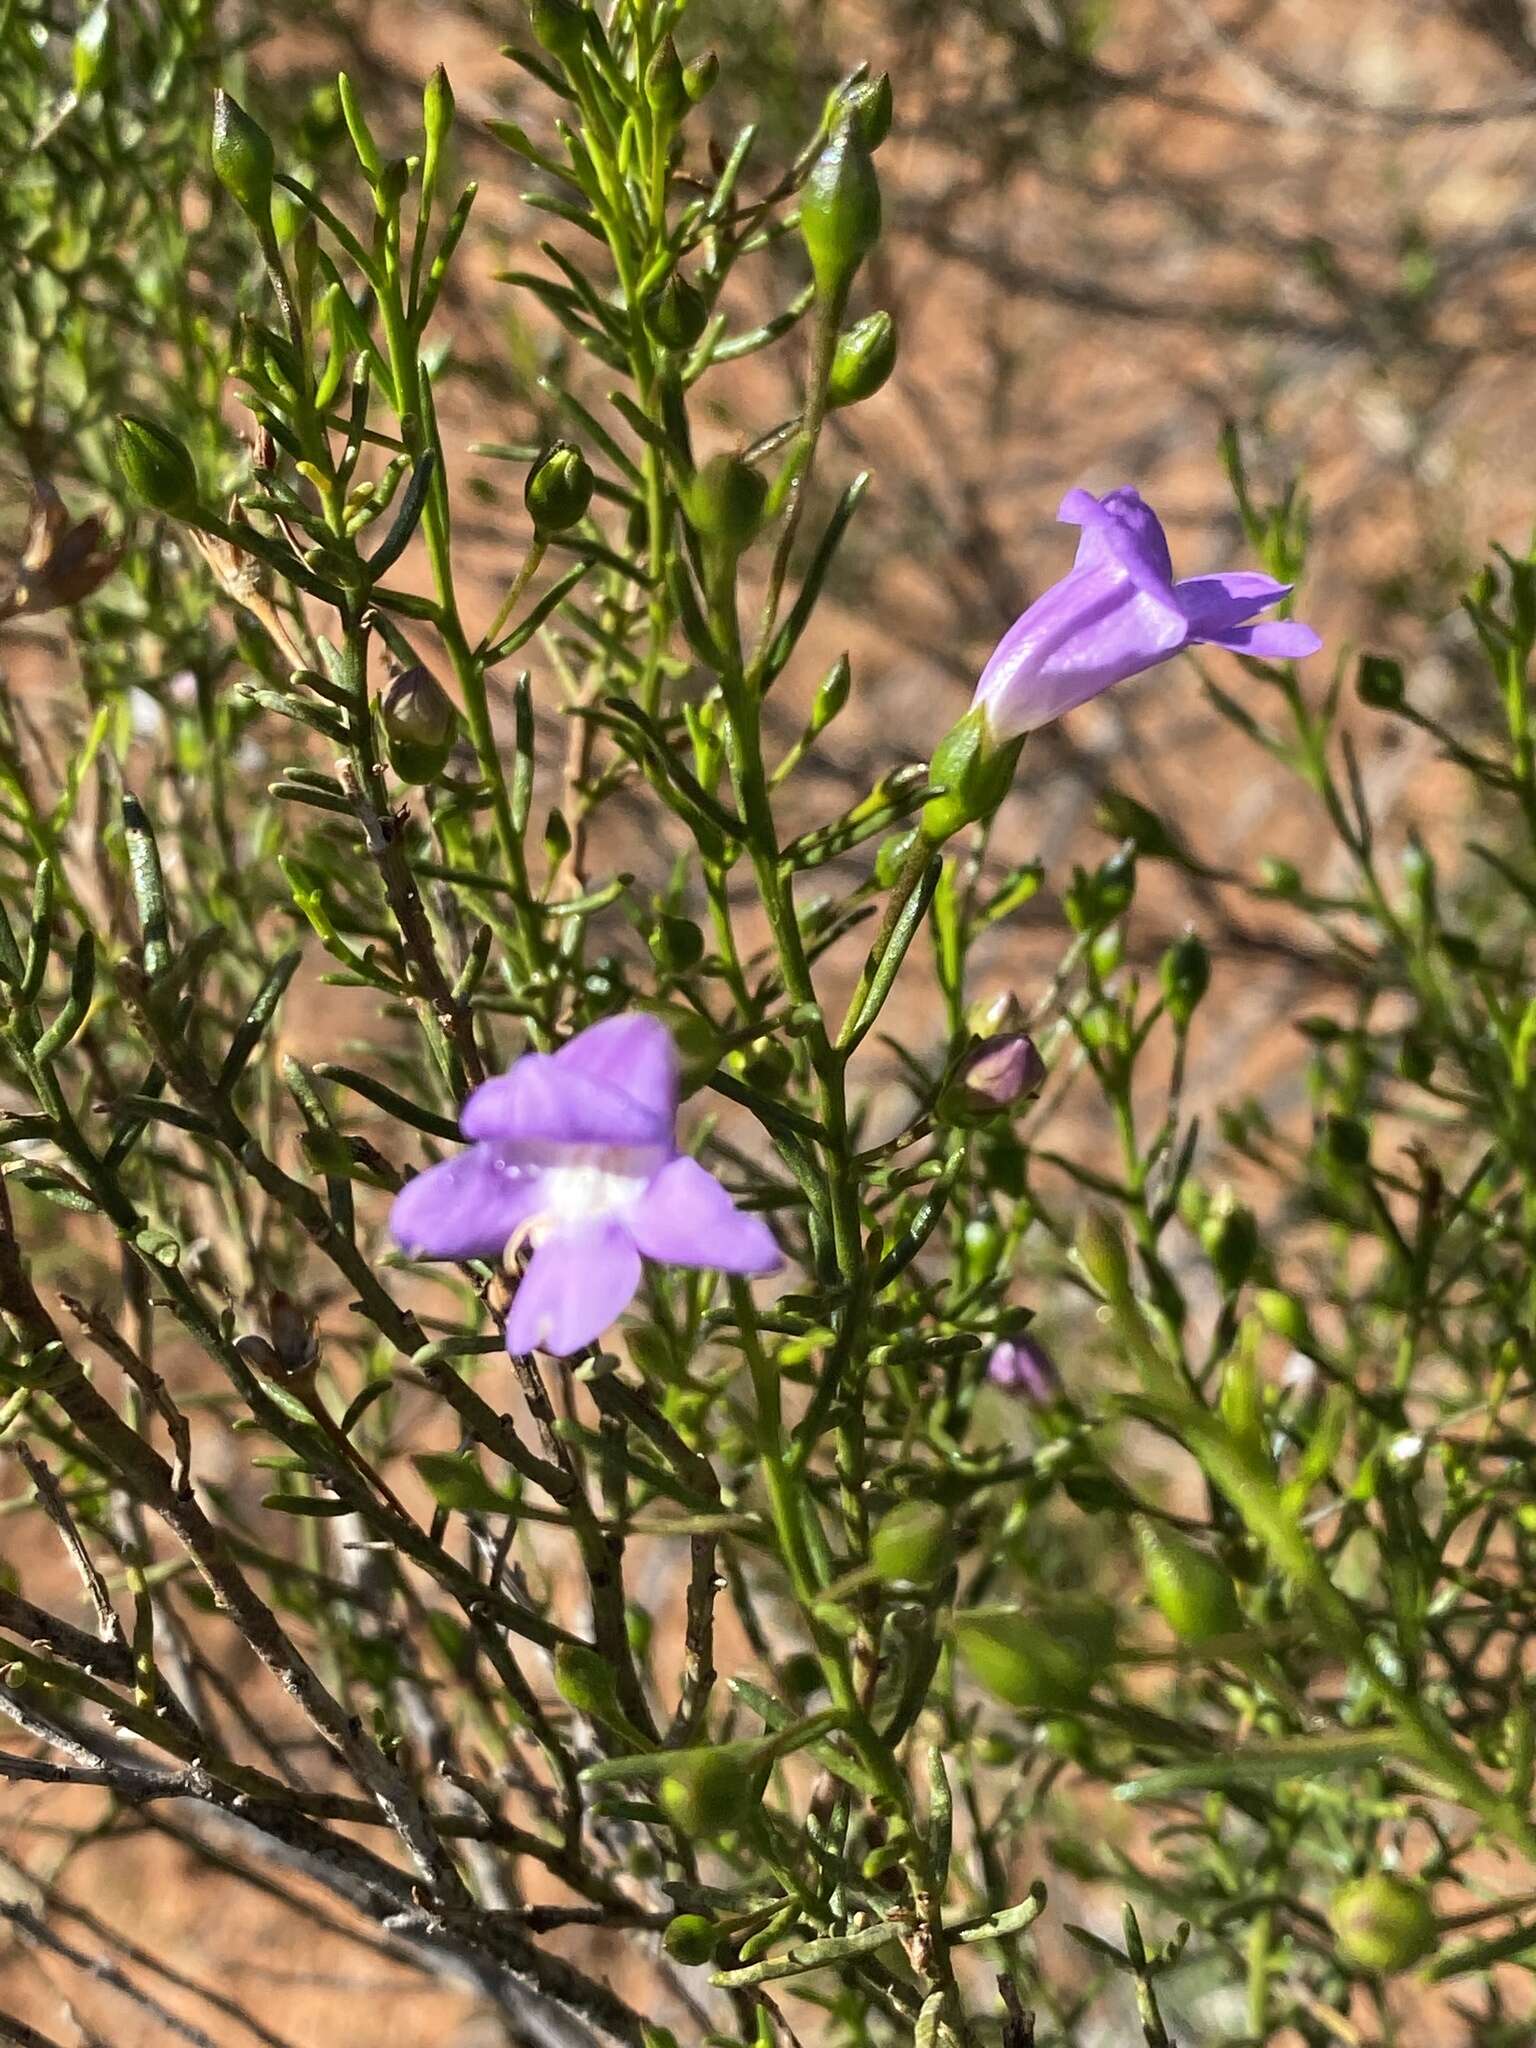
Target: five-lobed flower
(574,1158)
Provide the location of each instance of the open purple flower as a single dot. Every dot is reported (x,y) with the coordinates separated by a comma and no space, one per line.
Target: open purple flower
(1118,611)
(575,1156)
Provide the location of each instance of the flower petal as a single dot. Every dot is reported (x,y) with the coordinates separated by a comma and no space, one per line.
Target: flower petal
(1091,630)
(685,1218)
(577,1283)
(615,1084)
(1270,640)
(466,1208)
(1215,604)
(1120,530)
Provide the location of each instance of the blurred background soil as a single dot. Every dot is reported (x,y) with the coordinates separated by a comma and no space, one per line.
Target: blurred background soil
(1315,220)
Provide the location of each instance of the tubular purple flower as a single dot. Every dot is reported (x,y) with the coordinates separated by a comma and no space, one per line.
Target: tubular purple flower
(1022,1365)
(1118,611)
(574,1156)
(999,1073)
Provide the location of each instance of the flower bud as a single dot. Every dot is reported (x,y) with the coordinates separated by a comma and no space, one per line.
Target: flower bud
(559,488)
(156,466)
(1382,1923)
(1038,1664)
(437,106)
(1190,1590)
(1280,877)
(1185,974)
(996,1075)
(677,314)
(699,76)
(840,211)
(707,1792)
(420,725)
(690,1939)
(910,1544)
(1022,1366)
(724,502)
(831,694)
(242,157)
(1284,1316)
(863,359)
(560,27)
(1101,1253)
(868,104)
(972,772)
(665,87)
(1123,817)
(1230,1236)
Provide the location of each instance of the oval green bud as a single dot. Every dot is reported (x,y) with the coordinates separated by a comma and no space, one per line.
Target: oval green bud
(1102,1255)
(863,359)
(707,1792)
(678,314)
(1039,1664)
(559,488)
(1383,1923)
(437,107)
(665,87)
(420,725)
(910,1544)
(690,1939)
(560,27)
(1189,1588)
(1185,974)
(584,1680)
(1380,682)
(869,104)
(699,77)
(242,157)
(1284,1315)
(156,466)
(840,210)
(1230,1236)
(724,502)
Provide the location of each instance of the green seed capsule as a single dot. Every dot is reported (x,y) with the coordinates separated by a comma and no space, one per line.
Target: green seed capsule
(420,725)
(690,1939)
(559,488)
(699,77)
(911,1543)
(840,210)
(156,466)
(560,26)
(1383,1923)
(1040,1664)
(707,1792)
(678,314)
(584,1680)
(869,105)
(864,358)
(1185,974)
(1192,1592)
(242,157)
(665,86)
(725,502)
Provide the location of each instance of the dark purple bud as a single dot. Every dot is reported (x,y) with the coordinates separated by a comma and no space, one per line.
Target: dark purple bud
(998,1074)
(1021,1365)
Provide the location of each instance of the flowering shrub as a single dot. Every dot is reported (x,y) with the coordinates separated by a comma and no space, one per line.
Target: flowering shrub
(703,1560)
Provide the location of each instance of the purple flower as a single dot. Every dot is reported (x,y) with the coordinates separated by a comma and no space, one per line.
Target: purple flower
(999,1073)
(1118,611)
(1023,1366)
(575,1156)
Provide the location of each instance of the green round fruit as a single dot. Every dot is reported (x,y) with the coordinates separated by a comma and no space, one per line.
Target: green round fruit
(911,1543)
(707,1792)
(690,1939)
(1383,1923)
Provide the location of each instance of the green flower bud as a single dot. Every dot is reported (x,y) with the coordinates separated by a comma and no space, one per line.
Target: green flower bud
(972,772)
(559,488)
(676,944)
(863,359)
(1122,817)
(665,86)
(1038,1664)
(1101,1253)
(840,211)
(1380,682)
(831,694)
(560,27)
(910,1544)
(1230,1235)
(1280,877)
(708,1792)
(867,104)
(437,105)
(156,466)
(699,76)
(724,502)
(1191,1591)
(584,1680)
(678,314)
(242,157)
(420,725)
(1383,1923)
(691,1939)
(1284,1315)
(1185,974)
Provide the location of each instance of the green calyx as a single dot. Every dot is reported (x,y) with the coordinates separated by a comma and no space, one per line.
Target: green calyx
(972,772)
(156,466)
(1041,1664)
(242,158)
(725,502)
(840,211)
(910,1545)
(863,359)
(559,488)
(708,1792)
(1189,1588)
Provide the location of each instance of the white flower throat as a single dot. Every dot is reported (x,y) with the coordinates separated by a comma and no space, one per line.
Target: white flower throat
(583,1184)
